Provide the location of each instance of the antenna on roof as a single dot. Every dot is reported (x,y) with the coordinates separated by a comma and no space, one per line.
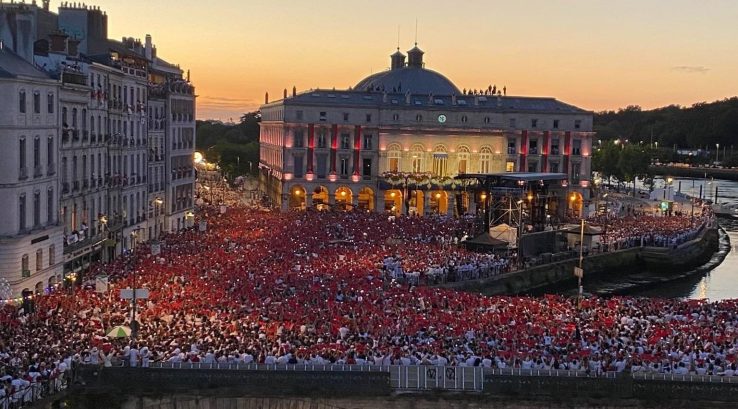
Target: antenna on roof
(398,37)
(416,31)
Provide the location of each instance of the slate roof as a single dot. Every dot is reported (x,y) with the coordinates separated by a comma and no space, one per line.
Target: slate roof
(13,66)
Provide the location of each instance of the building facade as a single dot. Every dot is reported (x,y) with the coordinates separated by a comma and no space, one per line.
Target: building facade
(118,123)
(362,147)
(30,235)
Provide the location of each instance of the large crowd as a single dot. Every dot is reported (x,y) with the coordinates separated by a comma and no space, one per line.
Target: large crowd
(646,230)
(309,287)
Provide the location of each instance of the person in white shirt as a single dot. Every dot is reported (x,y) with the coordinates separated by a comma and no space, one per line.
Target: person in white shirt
(145,357)
(133,356)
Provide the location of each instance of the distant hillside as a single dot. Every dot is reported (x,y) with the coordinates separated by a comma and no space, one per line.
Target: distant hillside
(234,146)
(702,124)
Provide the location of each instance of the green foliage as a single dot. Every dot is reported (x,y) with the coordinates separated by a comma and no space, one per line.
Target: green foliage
(701,125)
(623,162)
(235,147)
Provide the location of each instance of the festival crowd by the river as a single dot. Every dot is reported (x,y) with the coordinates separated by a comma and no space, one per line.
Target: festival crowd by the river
(341,288)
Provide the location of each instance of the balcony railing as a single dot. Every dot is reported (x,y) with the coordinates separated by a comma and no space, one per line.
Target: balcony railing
(77,78)
(70,248)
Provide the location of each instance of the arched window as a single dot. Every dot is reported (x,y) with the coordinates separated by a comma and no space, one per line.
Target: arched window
(418,118)
(417,152)
(464,119)
(463,158)
(440,160)
(487,120)
(485,157)
(394,152)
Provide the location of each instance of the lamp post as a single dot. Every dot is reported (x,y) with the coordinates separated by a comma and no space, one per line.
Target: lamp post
(103,220)
(158,202)
(519,204)
(717,152)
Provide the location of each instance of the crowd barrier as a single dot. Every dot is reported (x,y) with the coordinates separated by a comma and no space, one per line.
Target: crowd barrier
(36,391)
(443,377)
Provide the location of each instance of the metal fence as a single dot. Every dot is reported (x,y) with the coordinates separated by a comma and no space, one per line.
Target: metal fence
(548,373)
(264,367)
(424,377)
(36,391)
(427,377)
(686,378)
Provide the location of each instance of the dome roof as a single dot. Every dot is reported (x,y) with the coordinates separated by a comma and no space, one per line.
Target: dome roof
(409,79)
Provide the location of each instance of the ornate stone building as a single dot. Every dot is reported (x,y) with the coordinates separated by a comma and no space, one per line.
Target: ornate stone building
(411,126)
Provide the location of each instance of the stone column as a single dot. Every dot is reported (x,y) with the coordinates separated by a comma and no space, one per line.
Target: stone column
(379,202)
(451,211)
(426,202)
(332,200)
(308,200)
(472,204)
(285,202)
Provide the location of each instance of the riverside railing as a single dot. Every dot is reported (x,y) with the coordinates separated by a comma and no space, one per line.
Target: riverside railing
(460,378)
(29,395)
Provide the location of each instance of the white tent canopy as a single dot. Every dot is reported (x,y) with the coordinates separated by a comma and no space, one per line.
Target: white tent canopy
(504,232)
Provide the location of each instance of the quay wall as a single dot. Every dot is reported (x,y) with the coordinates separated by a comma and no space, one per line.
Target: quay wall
(621,262)
(697,173)
(150,388)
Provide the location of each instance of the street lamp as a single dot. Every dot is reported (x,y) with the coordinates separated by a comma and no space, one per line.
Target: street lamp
(717,152)
(158,202)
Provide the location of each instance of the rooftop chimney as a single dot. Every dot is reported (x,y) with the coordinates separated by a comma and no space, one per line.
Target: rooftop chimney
(266,97)
(73,47)
(58,43)
(148,53)
(284,95)
(294,91)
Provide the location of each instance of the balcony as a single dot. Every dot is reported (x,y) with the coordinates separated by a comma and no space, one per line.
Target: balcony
(75,186)
(66,133)
(77,78)
(22,173)
(85,184)
(85,136)
(51,169)
(65,188)
(70,248)
(38,171)
(75,135)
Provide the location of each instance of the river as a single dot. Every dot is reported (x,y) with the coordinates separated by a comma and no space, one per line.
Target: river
(719,283)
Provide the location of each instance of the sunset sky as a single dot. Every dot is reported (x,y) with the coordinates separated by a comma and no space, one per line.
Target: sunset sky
(595,54)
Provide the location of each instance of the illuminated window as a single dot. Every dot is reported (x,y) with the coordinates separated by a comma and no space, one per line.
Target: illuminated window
(485,157)
(463,159)
(510,166)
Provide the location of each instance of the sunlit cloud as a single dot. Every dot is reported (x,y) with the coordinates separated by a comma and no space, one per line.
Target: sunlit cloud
(691,69)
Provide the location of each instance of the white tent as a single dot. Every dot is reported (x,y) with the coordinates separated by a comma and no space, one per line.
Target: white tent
(504,232)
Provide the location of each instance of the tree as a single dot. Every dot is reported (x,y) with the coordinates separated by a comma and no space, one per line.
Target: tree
(235,147)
